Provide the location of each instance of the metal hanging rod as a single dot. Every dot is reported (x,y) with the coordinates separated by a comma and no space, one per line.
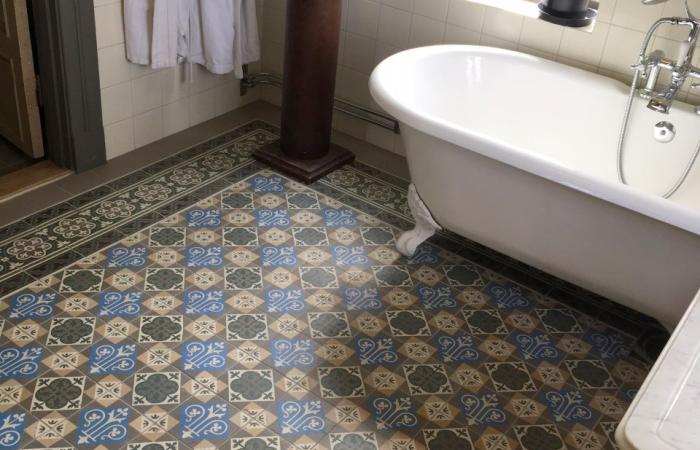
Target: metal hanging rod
(250,81)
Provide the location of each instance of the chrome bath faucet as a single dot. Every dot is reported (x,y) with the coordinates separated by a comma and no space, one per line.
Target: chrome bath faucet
(651,64)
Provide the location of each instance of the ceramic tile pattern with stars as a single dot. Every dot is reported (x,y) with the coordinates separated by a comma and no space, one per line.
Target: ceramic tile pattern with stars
(272,315)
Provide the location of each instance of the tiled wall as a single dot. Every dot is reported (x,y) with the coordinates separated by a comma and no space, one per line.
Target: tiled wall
(141,105)
(375,29)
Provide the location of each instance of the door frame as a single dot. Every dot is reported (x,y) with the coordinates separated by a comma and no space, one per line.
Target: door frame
(69,83)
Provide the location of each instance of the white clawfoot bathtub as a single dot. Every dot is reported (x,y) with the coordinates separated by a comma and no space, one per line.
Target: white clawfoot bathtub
(519,153)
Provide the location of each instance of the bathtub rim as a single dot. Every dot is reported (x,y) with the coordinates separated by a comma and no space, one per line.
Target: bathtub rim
(625,196)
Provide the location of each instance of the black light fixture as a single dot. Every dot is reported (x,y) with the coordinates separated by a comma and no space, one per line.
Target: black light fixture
(572,13)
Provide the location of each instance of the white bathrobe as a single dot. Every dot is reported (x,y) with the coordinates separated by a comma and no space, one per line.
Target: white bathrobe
(221,35)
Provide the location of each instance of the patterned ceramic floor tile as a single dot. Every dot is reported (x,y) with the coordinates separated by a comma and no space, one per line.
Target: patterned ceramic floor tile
(271,316)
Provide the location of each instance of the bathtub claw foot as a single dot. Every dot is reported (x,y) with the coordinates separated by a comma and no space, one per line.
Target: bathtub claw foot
(425,227)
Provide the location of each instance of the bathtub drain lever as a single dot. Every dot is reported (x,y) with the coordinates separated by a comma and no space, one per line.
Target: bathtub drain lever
(664,132)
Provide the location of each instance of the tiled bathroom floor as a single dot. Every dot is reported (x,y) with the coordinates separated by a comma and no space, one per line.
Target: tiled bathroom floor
(236,309)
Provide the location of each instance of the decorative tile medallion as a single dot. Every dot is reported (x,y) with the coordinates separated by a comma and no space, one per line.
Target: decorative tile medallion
(207,302)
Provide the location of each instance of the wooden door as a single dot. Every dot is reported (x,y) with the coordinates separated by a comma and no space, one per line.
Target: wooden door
(19,108)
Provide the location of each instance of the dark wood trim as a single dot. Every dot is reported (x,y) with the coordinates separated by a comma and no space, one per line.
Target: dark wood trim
(66,45)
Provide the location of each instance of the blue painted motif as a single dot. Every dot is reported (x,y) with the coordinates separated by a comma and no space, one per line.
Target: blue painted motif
(567,406)
(204,302)
(284,300)
(205,218)
(510,296)
(350,256)
(272,217)
(198,356)
(19,362)
(339,217)
(267,184)
(610,346)
(394,413)
(374,352)
(103,426)
(211,257)
(201,421)
(457,349)
(278,256)
(120,304)
(425,256)
(301,417)
(482,409)
(11,429)
(127,257)
(113,359)
(437,298)
(32,306)
(359,299)
(293,353)
(536,346)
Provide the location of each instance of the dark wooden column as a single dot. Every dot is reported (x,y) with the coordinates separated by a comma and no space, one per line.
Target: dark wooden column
(305,150)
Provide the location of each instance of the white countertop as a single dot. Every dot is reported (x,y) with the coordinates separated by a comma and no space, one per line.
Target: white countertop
(665,414)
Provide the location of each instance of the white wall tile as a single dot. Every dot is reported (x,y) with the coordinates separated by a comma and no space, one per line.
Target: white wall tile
(119,138)
(109,25)
(635,15)
(148,127)
(406,5)
(584,47)
(363,17)
(435,9)
(459,35)
(394,26)
(502,24)
(116,103)
(359,52)
(176,117)
(541,35)
(621,49)
(113,66)
(466,14)
(426,31)
(147,93)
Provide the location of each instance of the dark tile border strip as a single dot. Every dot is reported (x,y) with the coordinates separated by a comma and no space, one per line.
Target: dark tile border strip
(72,254)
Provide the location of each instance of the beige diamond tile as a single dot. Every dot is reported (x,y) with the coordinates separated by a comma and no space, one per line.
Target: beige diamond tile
(50,428)
(242,257)
(158,356)
(165,257)
(253,419)
(123,279)
(314,256)
(245,302)
(275,236)
(154,423)
(323,300)
(400,298)
(281,278)
(356,277)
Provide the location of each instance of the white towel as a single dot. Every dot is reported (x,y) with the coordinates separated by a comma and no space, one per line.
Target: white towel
(221,35)
(138,30)
(246,42)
